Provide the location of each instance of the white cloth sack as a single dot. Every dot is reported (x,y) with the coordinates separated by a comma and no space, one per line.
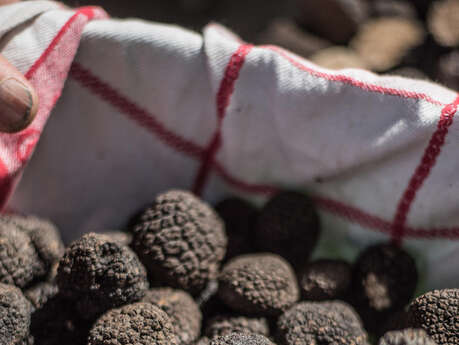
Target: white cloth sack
(148,107)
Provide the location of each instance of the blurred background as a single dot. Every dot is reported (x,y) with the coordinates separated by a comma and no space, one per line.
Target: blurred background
(415,38)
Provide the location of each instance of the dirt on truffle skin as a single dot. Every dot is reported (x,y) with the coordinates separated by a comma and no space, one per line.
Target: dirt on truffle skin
(334,323)
(406,337)
(325,280)
(181,241)
(99,274)
(384,281)
(241,339)
(227,324)
(19,260)
(258,284)
(182,310)
(133,324)
(437,313)
(289,226)
(15,312)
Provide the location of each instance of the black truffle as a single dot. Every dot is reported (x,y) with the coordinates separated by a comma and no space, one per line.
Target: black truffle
(15,312)
(325,323)
(406,337)
(239,217)
(99,274)
(325,280)
(40,293)
(57,322)
(241,339)
(20,263)
(227,324)
(133,324)
(181,309)
(289,226)
(384,280)
(260,284)
(181,241)
(437,313)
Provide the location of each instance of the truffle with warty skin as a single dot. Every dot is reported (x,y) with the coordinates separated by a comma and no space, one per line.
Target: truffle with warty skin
(181,240)
(100,274)
(15,311)
(288,226)
(40,293)
(227,324)
(258,284)
(384,281)
(437,313)
(325,279)
(241,339)
(133,324)
(182,310)
(325,323)
(408,336)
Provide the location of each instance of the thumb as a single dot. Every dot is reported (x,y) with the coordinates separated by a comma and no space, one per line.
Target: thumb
(18,99)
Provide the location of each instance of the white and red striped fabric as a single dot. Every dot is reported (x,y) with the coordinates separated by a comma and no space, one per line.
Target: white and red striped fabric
(146,107)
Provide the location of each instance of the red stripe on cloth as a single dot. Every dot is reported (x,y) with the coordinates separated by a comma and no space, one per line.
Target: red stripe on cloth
(340,209)
(87,11)
(224,93)
(423,170)
(357,83)
(141,116)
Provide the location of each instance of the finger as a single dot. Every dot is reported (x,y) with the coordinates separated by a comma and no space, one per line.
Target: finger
(18,99)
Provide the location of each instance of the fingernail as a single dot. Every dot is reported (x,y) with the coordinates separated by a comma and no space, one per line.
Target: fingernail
(16,103)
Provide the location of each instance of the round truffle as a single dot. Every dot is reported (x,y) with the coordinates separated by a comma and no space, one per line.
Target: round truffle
(239,217)
(325,323)
(181,309)
(133,324)
(19,260)
(99,274)
(241,339)
(406,337)
(437,313)
(443,22)
(259,284)
(40,293)
(181,241)
(325,280)
(383,43)
(384,280)
(15,312)
(289,226)
(227,324)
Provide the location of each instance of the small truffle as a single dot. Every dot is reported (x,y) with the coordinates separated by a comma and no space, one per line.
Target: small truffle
(57,322)
(289,226)
(383,43)
(20,263)
(437,313)
(133,324)
(15,312)
(181,309)
(99,274)
(239,217)
(336,20)
(181,241)
(325,323)
(443,22)
(384,280)
(258,284)
(227,324)
(325,280)
(241,339)
(406,337)
(40,293)
(338,57)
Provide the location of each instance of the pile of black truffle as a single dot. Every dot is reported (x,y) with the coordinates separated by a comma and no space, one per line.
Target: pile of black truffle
(178,277)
